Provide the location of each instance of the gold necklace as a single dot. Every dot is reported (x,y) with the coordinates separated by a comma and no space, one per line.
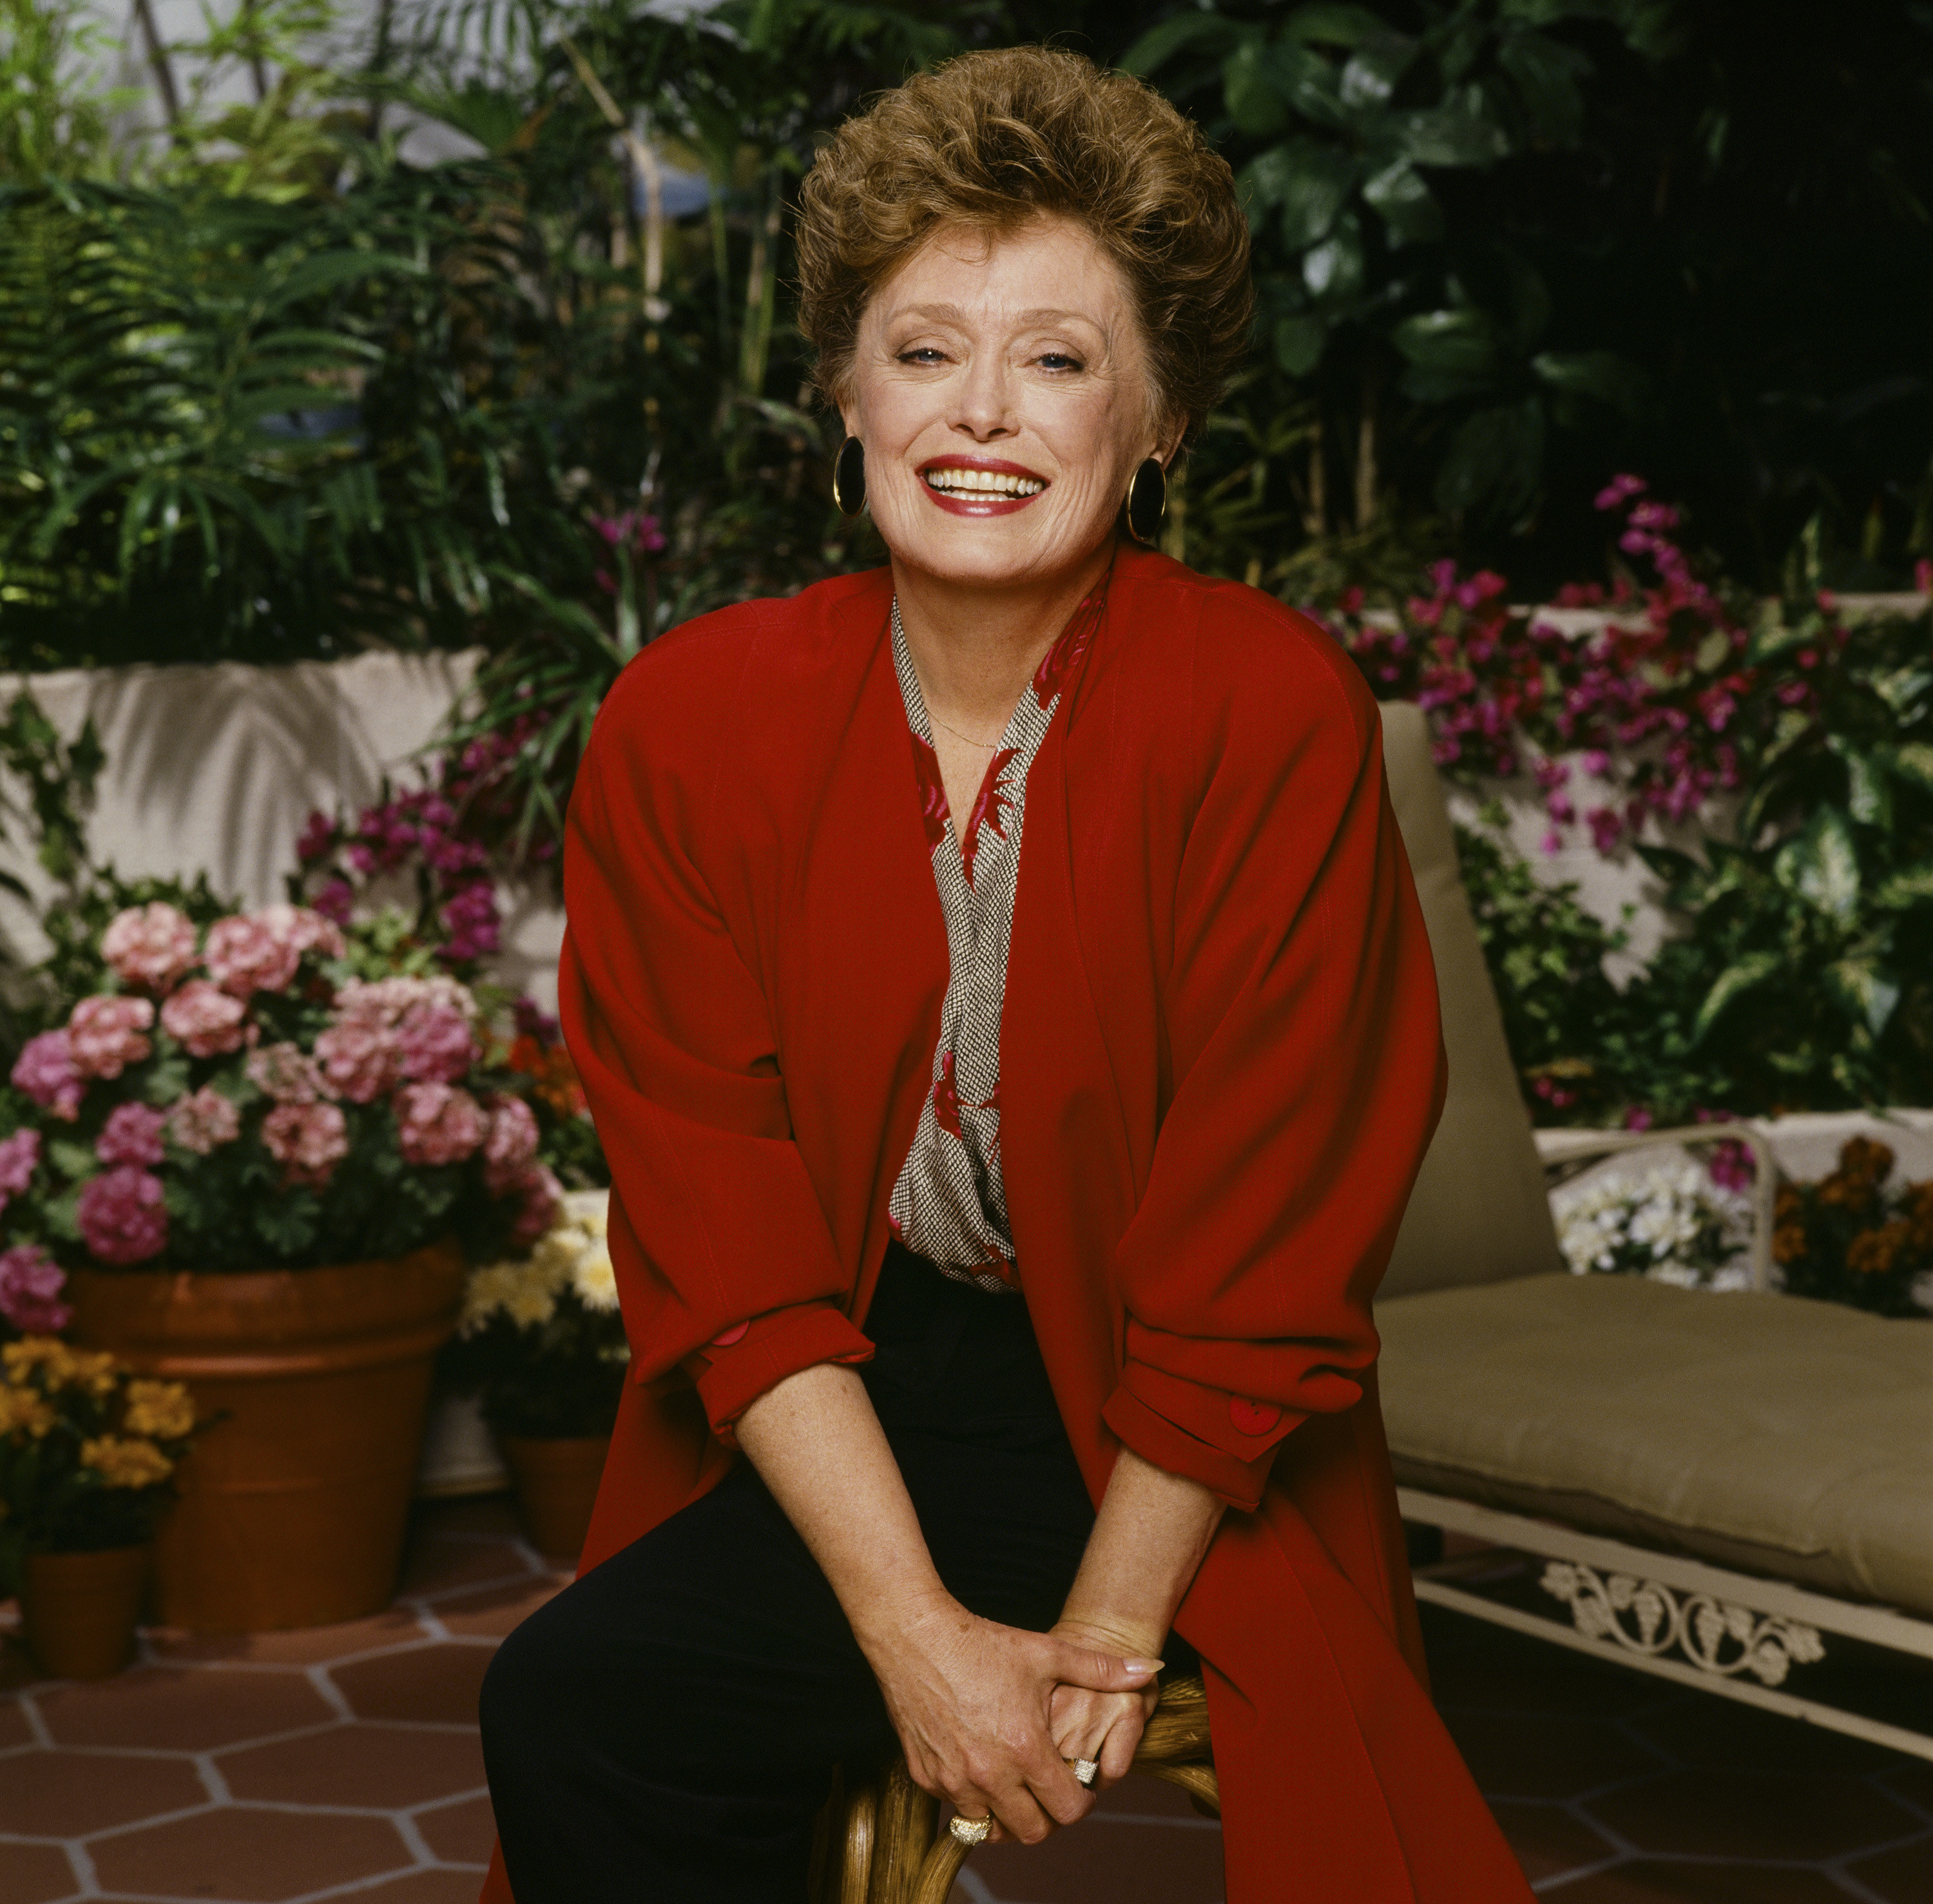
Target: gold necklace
(992,746)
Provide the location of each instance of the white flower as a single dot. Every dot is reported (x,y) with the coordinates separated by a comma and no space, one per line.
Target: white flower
(1673,1225)
(594,1280)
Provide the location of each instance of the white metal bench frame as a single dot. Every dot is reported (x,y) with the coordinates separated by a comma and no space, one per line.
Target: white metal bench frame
(1737,1635)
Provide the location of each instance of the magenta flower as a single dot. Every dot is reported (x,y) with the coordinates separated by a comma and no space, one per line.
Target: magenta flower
(20,1157)
(1732,1167)
(316,837)
(286,1073)
(30,1282)
(106,1033)
(509,1144)
(152,947)
(433,1043)
(307,1140)
(436,1123)
(206,1019)
(304,930)
(45,1071)
(131,1135)
(202,1119)
(358,1059)
(122,1217)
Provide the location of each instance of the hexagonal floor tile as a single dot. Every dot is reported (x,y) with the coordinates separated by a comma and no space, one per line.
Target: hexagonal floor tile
(303,1646)
(1487,1668)
(14,1730)
(387,1768)
(1539,1755)
(1902,1876)
(1719,1734)
(491,1612)
(67,1794)
(183,1709)
(34,1874)
(1654,1880)
(437,1683)
(439,1563)
(1125,1864)
(422,1887)
(1548,1841)
(249,1856)
(1745,1816)
(461,1834)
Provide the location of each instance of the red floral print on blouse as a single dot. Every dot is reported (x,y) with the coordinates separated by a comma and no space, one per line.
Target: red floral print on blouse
(950,1202)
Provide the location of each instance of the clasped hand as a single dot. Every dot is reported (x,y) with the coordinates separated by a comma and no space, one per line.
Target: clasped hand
(989,1715)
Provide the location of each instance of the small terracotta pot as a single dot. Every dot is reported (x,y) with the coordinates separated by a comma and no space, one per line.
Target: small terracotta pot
(79,1610)
(557,1488)
(312,1385)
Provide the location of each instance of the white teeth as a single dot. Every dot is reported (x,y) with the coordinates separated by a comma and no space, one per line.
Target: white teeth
(982,482)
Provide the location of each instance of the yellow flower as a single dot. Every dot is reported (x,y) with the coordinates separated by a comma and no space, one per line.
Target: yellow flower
(595,1281)
(164,1410)
(21,1409)
(123,1462)
(58,1367)
(532,1301)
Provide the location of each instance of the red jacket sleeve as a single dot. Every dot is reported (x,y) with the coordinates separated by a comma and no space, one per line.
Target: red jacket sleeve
(713,1218)
(1308,1071)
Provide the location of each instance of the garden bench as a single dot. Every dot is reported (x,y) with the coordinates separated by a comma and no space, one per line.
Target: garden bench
(1721,1486)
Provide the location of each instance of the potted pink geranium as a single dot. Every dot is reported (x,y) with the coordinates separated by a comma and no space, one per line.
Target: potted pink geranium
(258,1153)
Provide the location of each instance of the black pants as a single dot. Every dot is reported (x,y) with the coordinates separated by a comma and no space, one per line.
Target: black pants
(664,1731)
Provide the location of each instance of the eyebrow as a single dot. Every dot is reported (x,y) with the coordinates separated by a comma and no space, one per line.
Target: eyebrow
(952,313)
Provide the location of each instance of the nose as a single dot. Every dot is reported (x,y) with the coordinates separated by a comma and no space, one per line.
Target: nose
(983,404)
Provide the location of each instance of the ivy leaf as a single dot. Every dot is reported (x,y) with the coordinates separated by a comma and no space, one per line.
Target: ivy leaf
(1866,990)
(1735,980)
(1821,865)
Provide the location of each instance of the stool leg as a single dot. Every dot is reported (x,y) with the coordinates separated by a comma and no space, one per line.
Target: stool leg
(862,1812)
(907,1819)
(942,1866)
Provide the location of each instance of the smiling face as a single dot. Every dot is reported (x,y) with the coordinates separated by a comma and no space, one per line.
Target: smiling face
(1000,386)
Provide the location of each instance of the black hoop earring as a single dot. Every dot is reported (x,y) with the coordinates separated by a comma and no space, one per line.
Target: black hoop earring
(1148,500)
(849,477)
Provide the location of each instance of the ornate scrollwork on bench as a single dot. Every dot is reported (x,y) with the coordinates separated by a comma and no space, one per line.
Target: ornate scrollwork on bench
(1645,1616)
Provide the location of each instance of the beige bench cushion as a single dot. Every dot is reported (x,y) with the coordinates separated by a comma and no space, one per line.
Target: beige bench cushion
(1761,1432)
(1479,1213)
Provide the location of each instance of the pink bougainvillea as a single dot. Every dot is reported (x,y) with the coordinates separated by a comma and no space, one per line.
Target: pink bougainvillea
(206,1020)
(31,1282)
(307,1140)
(509,1144)
(107,1032)
(19,1158)
(122,1217)
(246,955)
(131,1135)
(204,1120)
(45,1071)
(152,947)
(286,1073)
(436,1124)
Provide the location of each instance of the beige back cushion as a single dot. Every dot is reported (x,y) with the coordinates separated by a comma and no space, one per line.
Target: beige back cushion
(1480,1213)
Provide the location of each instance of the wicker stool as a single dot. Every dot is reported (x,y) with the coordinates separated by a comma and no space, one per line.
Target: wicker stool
(879,1842)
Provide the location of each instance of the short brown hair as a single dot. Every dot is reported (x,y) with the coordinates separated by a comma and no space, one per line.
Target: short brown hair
(994,139)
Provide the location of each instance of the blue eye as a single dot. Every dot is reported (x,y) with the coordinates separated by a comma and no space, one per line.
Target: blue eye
(1058,360)
(926,353)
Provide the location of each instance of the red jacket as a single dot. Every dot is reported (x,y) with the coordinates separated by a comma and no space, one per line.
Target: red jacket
(1220,1067)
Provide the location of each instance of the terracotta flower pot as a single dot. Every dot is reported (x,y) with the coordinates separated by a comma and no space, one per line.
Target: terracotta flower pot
(78,1610)
(557,1488)
(293,1504)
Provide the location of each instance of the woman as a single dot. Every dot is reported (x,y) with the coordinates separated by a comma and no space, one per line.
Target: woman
(1012,1209)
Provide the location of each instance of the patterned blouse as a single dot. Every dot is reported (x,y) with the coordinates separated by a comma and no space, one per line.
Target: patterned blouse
(950,1203)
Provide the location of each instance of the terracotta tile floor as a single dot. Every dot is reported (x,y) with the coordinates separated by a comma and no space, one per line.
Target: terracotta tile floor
(344,1763)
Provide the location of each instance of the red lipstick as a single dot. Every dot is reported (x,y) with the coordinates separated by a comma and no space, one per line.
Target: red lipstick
(983,502)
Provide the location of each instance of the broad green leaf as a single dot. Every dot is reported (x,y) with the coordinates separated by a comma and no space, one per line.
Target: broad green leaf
(1866,990)
(1314,187)
(1910,888)
(1332,270)
(1336,25)
(1868,792)
(1775,636)
(1460,342)
(1914,762)
(1603,374)
(1822,866)
(72,1160)
(1546,75)
(1159,44)
(1254,102)
(1495,461)
(1459,135)
(1406,204)
(1733,982)
(1298,344)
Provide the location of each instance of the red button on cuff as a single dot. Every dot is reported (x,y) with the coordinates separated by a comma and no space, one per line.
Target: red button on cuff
(736,1334)
(1252,1417)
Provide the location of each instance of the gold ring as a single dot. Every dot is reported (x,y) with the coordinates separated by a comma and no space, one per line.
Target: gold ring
(971,1830)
